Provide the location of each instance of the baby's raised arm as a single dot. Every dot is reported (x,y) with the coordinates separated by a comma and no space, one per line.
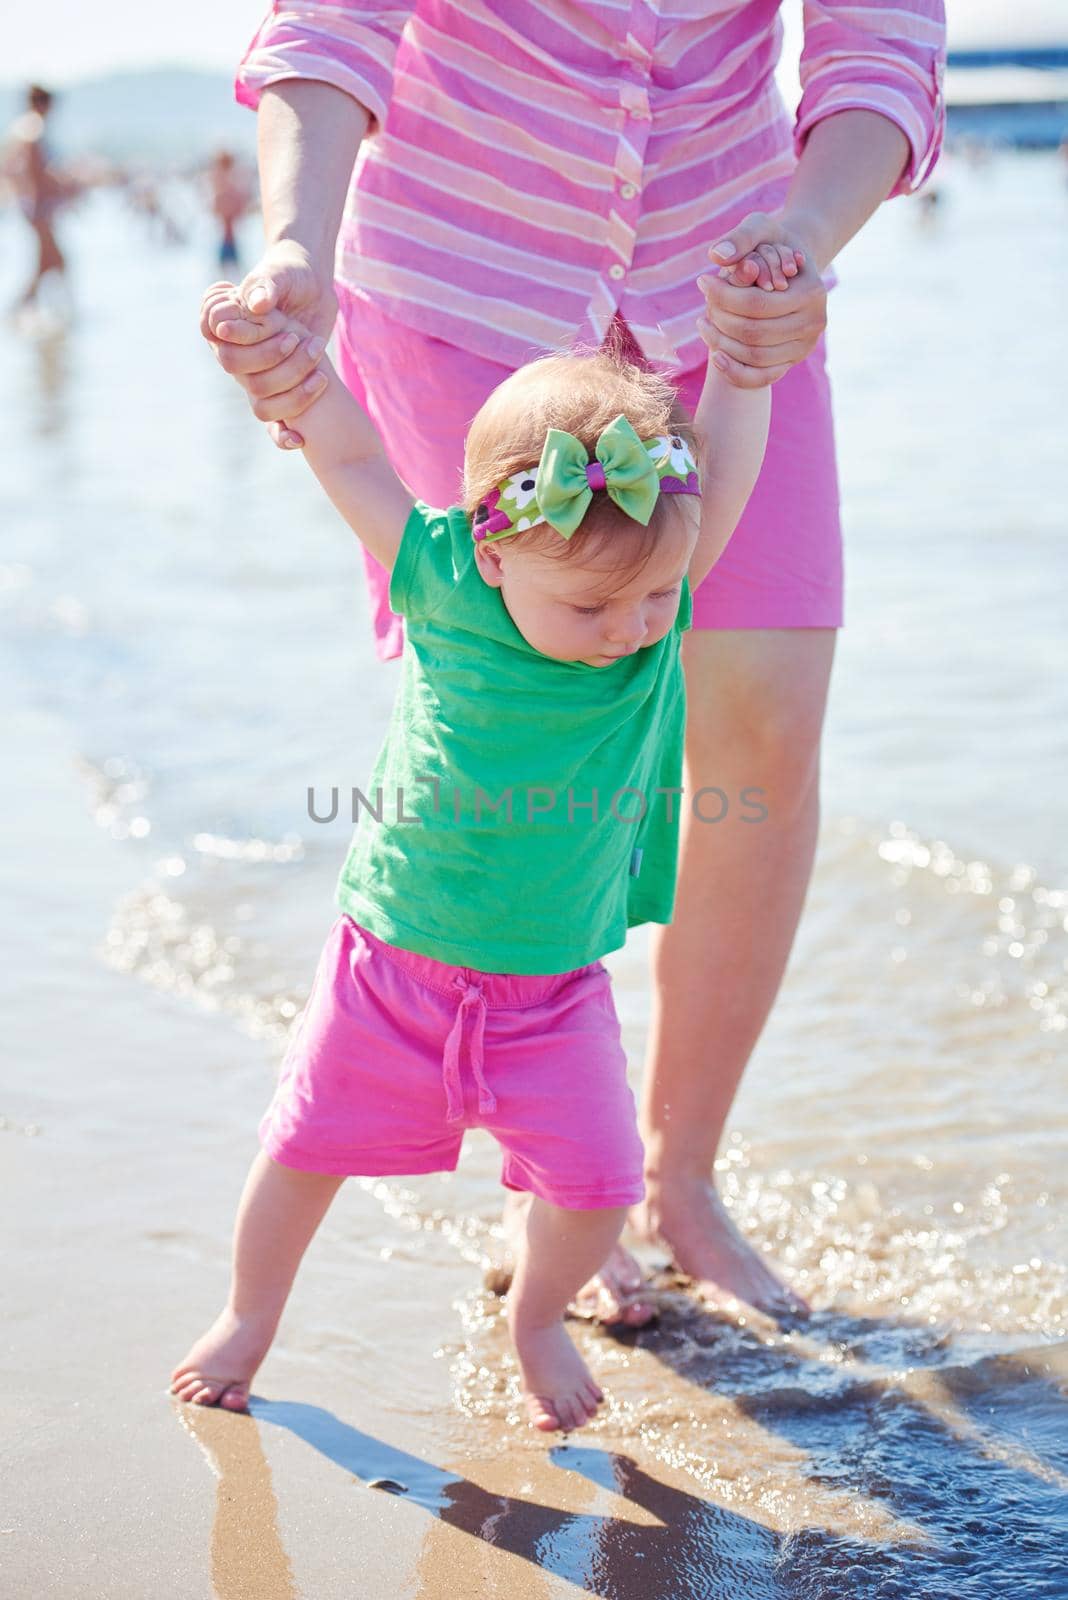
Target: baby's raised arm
(345,453)
(732,428)
(733,422)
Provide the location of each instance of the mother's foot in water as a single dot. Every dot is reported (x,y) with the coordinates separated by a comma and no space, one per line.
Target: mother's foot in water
(686,1216)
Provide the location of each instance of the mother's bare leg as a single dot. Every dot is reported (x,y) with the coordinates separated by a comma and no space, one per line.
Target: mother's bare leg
(756,700)
(755,713)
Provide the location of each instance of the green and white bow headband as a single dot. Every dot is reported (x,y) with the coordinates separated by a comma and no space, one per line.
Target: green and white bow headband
(632,471)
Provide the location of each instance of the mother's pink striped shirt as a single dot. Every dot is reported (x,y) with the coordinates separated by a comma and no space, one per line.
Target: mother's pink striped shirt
(535,164)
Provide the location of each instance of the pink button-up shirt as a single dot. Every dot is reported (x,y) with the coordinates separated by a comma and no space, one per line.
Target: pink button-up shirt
(536,164)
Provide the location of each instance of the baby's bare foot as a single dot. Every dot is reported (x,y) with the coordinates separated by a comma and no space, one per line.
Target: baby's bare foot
(220,1367)
(557,1388)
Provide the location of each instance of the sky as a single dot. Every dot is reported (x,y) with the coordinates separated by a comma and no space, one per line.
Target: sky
(70,39)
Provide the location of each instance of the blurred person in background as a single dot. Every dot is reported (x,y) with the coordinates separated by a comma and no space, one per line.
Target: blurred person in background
(230,193)
(40,188)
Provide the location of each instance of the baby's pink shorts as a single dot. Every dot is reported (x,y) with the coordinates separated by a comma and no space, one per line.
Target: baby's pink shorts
(396,1054)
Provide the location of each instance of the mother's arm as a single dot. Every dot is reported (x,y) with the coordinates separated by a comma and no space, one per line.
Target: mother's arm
(308,135)
(869,126)
(319,72)
(846,170)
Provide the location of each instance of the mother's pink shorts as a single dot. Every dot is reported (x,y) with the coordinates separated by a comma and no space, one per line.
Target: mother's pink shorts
(783,566)
(396,1054)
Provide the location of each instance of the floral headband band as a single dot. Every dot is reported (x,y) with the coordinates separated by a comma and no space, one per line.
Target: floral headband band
(633,471)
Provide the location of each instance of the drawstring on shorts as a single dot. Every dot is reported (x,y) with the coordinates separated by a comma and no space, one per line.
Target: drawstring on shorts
(471,1001)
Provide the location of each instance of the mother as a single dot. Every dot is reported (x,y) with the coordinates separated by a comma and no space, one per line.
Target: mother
(528,173)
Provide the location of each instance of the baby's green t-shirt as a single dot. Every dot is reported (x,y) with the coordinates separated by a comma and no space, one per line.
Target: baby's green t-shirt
(523,812)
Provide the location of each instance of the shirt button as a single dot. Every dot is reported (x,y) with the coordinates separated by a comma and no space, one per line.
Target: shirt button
(634,99)
(628,191)
(616,271)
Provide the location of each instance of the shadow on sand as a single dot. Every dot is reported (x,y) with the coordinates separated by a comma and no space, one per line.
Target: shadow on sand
(969,1462)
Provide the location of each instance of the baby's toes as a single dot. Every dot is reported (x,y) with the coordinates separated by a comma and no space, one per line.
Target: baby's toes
(591,1396)
(195,1389)
(228,1396)
(577,1409)
(582,1405)
(206,1395)
(234,1397)
(569,1411)
(212,1391)
(542,1413)
(591,1402)
(186,1387)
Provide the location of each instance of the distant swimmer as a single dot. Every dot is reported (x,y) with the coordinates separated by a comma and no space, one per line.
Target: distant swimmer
(231,198)
(40,188)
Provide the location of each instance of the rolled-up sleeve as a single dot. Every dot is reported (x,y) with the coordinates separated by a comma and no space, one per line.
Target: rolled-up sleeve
(346,43)
(869,55)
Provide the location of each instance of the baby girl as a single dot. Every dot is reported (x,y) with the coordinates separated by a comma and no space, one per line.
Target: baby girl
(522,815)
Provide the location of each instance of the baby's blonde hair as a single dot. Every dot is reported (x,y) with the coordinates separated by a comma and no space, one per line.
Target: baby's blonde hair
(581,391)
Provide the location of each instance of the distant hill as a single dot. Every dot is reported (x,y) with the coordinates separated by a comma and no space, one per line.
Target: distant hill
(163,114)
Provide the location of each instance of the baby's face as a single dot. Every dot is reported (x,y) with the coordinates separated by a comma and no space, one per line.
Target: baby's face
(581,612)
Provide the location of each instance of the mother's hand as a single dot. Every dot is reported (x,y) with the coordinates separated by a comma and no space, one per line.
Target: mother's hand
(285,284)
(763,335)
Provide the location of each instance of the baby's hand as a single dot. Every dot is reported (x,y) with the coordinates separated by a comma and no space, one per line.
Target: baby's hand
(267,352)
(226,316)
(769,266)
